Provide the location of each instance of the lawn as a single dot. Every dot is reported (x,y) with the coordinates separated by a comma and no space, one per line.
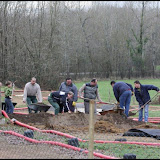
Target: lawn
(119,150)
(106,91)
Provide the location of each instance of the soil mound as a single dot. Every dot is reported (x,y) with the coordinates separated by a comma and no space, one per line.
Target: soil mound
(115,123)
(76,122)
(67,122)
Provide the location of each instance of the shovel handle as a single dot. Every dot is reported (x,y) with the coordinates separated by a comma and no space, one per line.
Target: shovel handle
(96,101)
(147,102)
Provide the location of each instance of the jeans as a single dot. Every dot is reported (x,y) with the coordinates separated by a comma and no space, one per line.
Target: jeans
(145,113)
(125,100)
(55,105)
(86,109)
(30,100)
(9,105)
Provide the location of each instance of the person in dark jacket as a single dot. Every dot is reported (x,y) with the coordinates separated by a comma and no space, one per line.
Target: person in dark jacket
(90,92)
(123,92)
(142,96)
(59,100)
(67,86)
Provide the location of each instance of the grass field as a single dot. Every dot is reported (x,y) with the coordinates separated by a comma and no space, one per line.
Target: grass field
(106,91)
(141,152)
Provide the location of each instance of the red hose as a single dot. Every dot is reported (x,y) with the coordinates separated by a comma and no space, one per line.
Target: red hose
(148,118)
(69,136)
(150,121)
(59,144)
(20,113)
(5,114)
(138,143)
(23,91)
(20,108)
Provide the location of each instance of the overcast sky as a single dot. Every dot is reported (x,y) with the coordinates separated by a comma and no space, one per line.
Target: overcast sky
(87,4)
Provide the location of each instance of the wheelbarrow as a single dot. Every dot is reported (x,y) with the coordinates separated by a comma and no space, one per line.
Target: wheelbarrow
(112,108)
(39,107)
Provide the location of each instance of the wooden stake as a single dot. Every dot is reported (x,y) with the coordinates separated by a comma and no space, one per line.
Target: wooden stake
(91,129)
(0,97)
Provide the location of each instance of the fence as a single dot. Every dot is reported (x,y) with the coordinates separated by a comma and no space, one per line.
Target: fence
(78,135)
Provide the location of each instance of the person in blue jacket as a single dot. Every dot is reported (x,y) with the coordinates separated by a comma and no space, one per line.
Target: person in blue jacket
(60,101)
(123,92)
(142,96)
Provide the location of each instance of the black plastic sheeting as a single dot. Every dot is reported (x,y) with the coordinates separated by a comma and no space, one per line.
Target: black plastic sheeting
(154,133)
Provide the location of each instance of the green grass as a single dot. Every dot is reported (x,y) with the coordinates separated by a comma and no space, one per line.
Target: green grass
(106,90)
(107,95)
(119,150)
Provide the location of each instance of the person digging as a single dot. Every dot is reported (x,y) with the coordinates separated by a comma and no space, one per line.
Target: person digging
(122,93)
(143,98)
(60,100)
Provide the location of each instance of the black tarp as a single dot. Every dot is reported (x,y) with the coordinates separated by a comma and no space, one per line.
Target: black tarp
(154,133)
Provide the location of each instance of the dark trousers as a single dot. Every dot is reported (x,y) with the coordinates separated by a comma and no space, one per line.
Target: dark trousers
(65,109)
(55,105)
(9,106)
(72,108)
(30,100)
(62,108)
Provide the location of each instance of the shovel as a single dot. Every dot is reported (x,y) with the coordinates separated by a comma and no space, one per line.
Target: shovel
(96,101)
(132,114)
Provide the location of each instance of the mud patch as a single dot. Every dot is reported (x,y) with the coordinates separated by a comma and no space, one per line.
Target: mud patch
(38,119)
(79,122)
(67,122)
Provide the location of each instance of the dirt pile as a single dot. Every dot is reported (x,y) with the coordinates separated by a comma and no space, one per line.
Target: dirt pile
(114,123)
(79,122)
(69,122)
(38,120)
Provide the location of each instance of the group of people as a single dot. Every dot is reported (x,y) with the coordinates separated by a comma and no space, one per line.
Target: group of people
(123,92)
(64,100)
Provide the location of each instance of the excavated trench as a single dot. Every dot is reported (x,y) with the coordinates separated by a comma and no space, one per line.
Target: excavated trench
(79,122)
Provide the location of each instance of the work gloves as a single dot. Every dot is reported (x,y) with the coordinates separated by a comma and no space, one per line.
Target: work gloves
(74,104)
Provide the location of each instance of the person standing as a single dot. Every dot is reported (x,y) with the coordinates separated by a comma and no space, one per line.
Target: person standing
(60,100)
(67,86)
(142,96)
(90,92)
(122,92)
(8,97)
(32,92)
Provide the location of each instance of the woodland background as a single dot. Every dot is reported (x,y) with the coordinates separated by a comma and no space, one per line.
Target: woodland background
(52,40)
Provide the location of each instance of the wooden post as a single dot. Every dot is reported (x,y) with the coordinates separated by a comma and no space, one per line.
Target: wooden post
(91,129)
(0,97)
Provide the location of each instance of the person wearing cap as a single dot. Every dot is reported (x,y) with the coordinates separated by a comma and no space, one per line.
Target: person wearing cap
(32,93)
(67,86)
(122,92)
(60,100)
(90,92)
(142,97)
